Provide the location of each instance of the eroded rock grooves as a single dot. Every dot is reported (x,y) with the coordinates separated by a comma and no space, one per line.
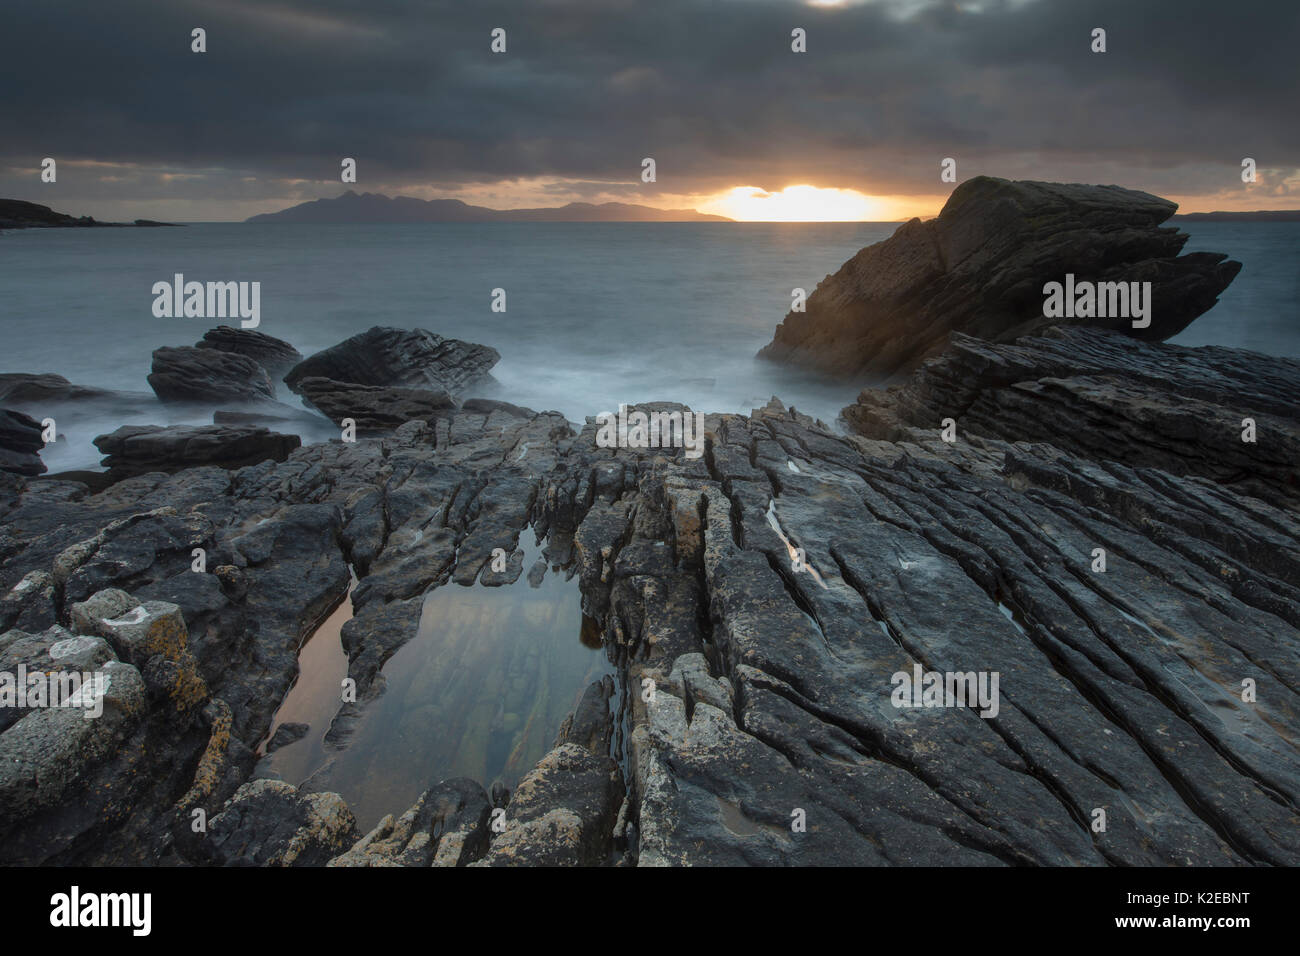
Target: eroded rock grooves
(1120,691)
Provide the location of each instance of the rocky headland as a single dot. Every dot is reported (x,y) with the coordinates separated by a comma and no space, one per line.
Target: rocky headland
(756,604)
(20,214)
(980,268)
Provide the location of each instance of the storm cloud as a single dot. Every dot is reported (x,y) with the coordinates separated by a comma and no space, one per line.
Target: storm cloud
(587,88)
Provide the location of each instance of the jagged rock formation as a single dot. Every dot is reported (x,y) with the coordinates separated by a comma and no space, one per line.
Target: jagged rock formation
(415,358)
(138,449)
(1104,396)
(208,375)
(20,443)
(270,823)
(759,604)
(274,355)
(447,826)
(980,269)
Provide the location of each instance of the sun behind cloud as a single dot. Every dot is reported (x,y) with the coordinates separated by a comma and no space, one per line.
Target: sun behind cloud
(805,203)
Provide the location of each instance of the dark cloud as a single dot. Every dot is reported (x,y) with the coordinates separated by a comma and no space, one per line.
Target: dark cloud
(589,87)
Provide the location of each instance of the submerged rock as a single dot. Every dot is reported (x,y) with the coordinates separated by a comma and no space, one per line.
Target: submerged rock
(414,358)
(286,734)
(138,449)
(208,375)
(980,268)
(25,388)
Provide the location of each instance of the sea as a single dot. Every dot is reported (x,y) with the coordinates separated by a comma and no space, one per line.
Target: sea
(596,314)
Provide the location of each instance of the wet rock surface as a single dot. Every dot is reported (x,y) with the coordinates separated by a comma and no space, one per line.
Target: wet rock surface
(208,375)
(980,269)
(758,603)
(139,449)
(411,358)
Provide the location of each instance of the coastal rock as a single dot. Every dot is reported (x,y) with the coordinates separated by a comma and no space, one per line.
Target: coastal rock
(447,826)
(69,778)
(1224,414)
(562,813)
(20,444)
(30,389)
(415,358)
(137,449)
(758,605)
(980,269)
(274,355)
(374,408)
(208,375)
(270,823)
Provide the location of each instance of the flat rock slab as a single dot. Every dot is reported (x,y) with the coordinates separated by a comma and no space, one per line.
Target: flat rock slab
(137,449)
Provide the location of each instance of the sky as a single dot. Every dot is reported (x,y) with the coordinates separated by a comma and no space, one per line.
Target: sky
(737,122)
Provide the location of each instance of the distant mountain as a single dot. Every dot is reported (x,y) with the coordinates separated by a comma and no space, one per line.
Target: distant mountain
(373,207)
(1278,215)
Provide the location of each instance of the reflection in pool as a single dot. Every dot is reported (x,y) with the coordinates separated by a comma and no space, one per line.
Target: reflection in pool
(479,692)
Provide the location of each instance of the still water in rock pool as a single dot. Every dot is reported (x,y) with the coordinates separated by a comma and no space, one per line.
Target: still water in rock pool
(480,692)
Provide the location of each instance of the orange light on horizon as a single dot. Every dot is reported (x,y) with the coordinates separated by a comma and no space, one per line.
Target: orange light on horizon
(805,203)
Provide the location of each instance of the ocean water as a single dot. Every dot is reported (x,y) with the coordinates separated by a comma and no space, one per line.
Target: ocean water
(597,313)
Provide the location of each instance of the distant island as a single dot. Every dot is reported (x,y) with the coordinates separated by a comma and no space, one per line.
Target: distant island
(1277,215)
(377,208)
(20,214)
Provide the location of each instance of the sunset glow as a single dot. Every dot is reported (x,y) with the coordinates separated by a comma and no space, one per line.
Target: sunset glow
(804,203)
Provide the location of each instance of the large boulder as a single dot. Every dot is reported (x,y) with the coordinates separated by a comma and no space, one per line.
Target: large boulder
(374,408)
(415,358)
(208,375)
(20,444)
(981,266)
(274,355)
(138,449)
